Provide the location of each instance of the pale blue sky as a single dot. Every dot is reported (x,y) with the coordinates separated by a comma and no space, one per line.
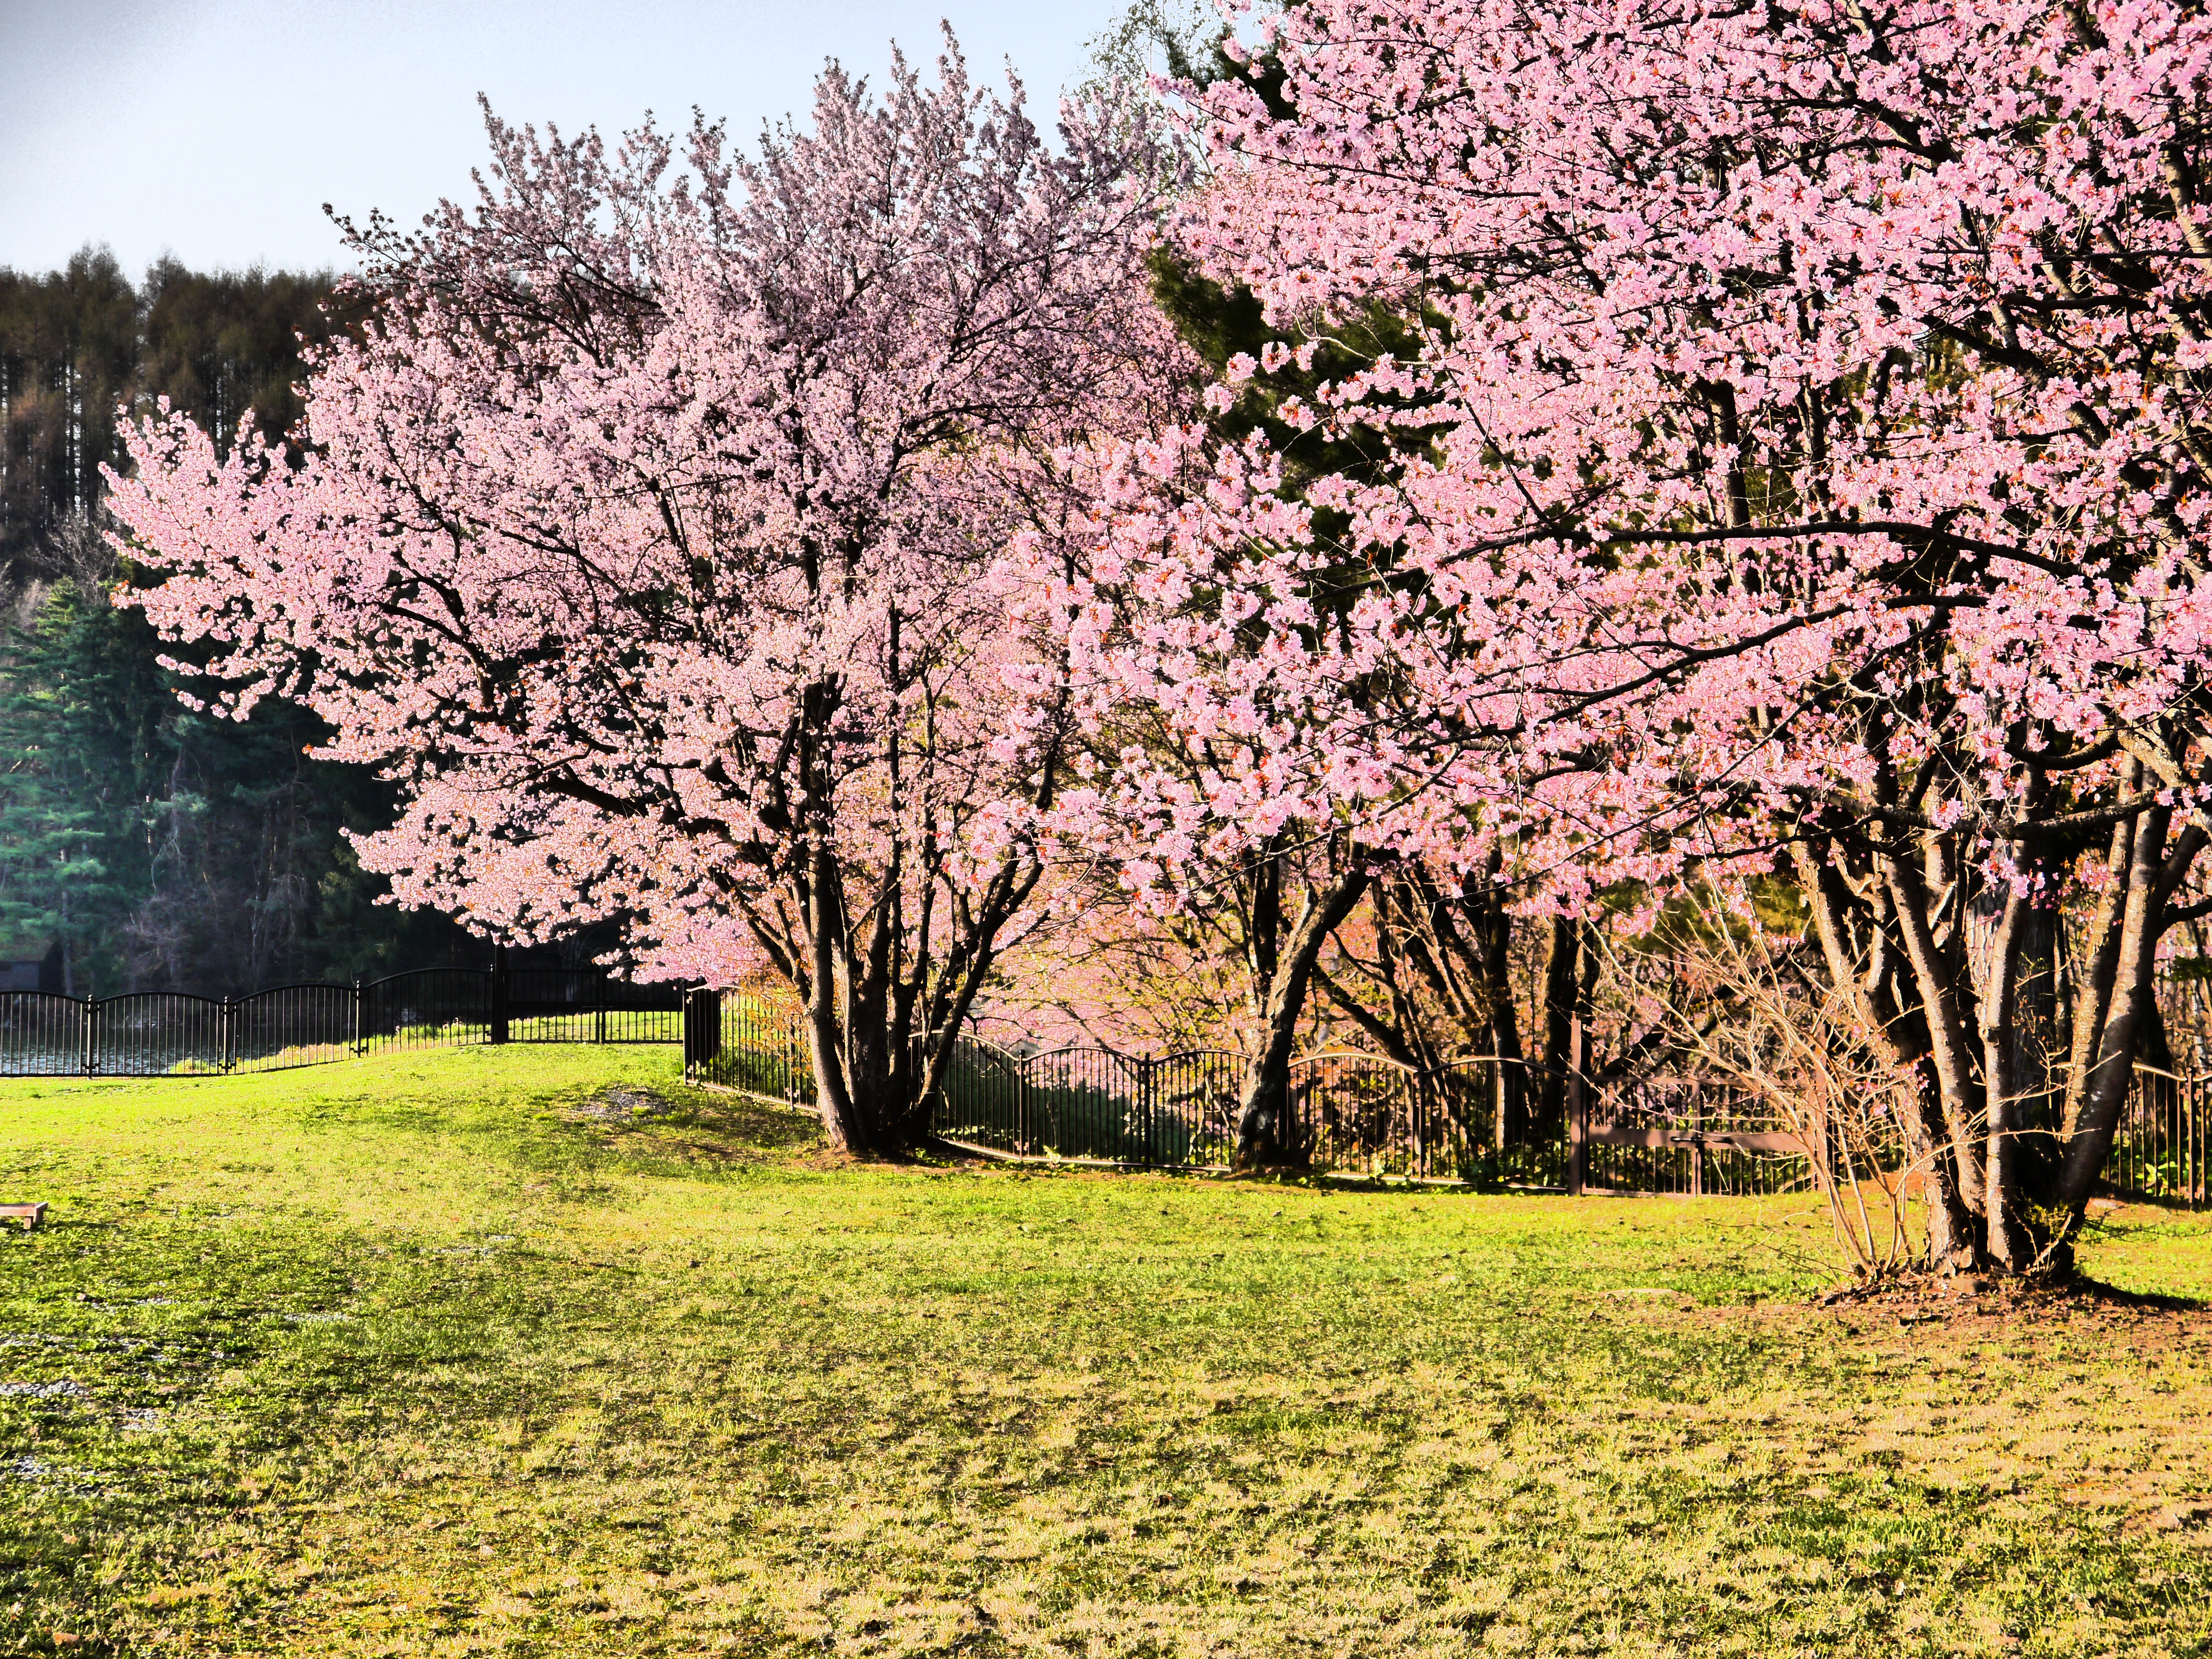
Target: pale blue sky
(216,129)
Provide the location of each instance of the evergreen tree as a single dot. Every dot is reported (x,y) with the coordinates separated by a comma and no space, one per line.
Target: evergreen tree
(79,708)
(166,849)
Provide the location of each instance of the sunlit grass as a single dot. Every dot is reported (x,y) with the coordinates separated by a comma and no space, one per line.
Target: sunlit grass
(458,1353)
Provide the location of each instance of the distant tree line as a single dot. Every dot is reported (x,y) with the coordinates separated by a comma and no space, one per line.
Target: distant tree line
(166,849)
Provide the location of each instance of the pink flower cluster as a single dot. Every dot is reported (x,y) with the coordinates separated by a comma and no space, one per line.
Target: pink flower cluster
(647,537)
(1808,428)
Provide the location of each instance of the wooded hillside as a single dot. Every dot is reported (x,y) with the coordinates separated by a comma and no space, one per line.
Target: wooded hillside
(166,849)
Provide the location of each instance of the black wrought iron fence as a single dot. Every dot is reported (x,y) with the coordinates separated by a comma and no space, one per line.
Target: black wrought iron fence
(1172,1110)
(2162,1149)
(1693,1135)
(166,1034)
(1487,1119)
(737,1039)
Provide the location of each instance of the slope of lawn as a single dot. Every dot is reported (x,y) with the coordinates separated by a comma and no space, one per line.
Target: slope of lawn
(467,1354)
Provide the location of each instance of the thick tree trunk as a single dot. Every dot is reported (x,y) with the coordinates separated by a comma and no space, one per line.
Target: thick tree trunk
(846,1128)
(1265,1136)
(1519,1108)
(2093,993)
(2011,1237)
(1564,996)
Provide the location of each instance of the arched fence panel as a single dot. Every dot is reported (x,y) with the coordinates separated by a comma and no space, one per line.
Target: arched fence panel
(1692,1135)
(553,1004)
(1489,1118)
(1174,1110)
(42,1035)
(429,1008)
(155,1034)
(292,1025)
(738,1039)
(986,1102)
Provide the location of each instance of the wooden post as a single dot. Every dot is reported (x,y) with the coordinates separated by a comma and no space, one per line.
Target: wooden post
(1577,1112)
(499,1022)
(1823,1150)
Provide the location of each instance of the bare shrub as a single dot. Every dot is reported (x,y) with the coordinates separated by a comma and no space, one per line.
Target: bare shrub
(1752,1007)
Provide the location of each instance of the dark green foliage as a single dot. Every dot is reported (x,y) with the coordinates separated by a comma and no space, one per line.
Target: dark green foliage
(171,849)
(223,342)
(165,848)
(69,351)
(79,707)
(78,346)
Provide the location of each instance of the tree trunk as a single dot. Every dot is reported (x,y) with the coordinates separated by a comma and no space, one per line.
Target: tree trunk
(2011,1237)
(1563,1001)
(2093,993)
(1265,1138)
(1867,958)
(1953,1174)
(2094,1102)
(1523,1122)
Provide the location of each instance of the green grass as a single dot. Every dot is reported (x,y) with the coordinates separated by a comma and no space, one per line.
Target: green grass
(428,1357)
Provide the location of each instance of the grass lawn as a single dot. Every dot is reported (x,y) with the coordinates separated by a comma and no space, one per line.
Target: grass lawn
(447,1355)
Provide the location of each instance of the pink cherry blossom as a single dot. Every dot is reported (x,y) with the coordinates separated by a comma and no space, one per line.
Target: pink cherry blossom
(647,539)
(1804,475)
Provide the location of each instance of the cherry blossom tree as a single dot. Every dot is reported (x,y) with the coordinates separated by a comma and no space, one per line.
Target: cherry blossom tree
(647,537)
(1816,486)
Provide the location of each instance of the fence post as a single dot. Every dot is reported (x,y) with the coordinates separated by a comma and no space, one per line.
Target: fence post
(360,994)
(498,993)
(1823,1150)
(224,1050)
(599,1023)
(1577,1112)
(702,1030)
(91,1049)
(1697,1140)
(2198,1142)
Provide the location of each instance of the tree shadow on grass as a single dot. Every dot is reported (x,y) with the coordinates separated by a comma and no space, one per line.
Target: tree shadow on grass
(698,1123)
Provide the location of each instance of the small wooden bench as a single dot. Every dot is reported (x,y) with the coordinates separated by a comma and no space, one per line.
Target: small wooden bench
(29,1214)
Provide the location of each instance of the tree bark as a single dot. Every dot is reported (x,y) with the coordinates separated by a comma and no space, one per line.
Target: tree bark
(1265,1135)
(1957,1080)
(2093,993)
(2010,1235)
(1563,1001)
(2096,1118)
